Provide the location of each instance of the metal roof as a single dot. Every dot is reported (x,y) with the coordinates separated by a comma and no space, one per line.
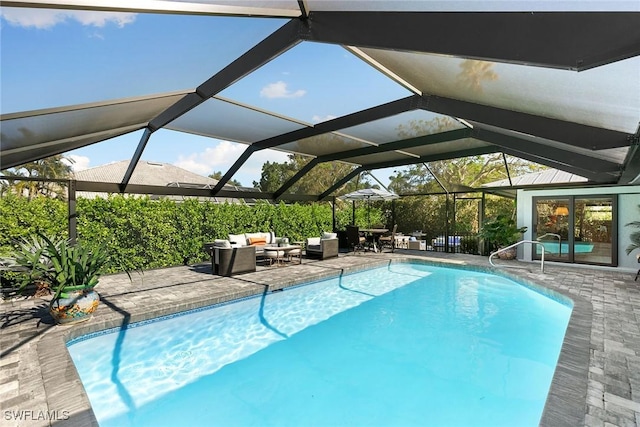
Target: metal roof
(545,177)
(528,106)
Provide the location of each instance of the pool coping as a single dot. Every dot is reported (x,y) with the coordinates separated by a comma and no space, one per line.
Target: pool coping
(566,403)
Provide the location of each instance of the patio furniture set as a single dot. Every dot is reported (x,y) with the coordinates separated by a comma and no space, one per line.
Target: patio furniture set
(241,252)
(370,239)
(418,241)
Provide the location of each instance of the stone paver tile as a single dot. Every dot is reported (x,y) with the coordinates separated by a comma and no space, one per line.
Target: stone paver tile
(622,402)
(9,387)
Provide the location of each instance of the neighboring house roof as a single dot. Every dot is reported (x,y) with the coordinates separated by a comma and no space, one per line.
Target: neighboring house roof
(152,173)
(145,173)
(547,176)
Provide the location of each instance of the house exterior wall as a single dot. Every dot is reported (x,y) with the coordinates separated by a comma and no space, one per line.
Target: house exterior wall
(628,202)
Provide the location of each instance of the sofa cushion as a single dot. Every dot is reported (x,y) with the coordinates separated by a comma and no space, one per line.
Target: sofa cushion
(326,235)
(221,243)
(313,241)
(237,240)
(250,236)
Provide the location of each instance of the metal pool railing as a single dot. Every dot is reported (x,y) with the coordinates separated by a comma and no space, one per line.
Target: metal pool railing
(513,246)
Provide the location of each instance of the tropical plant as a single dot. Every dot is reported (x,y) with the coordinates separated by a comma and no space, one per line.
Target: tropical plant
(634,237)
(30,259)
(74,267)
(501,231)
(65,266)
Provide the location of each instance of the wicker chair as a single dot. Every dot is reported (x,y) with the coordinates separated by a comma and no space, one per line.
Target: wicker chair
(226,261)
(322,248)
(389,240)
(354,239)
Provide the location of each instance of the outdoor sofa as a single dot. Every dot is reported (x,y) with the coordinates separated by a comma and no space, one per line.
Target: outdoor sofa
(259,240)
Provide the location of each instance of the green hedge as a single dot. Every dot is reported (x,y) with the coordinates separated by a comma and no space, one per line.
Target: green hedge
(22,217)
(141,233)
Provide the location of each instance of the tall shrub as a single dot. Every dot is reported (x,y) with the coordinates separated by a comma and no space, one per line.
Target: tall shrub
(140,233)
(20,218)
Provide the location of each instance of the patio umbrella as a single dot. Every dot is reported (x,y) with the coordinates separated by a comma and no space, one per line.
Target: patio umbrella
(369,194)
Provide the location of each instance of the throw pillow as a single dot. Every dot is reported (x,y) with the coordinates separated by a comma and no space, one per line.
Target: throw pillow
(257,241)
(326,235)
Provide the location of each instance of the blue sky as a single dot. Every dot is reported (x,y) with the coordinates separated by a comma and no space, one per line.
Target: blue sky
(57,58)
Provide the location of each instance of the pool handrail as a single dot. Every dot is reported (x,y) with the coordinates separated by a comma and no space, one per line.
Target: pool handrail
(513,246)
(554,235)
(550,234)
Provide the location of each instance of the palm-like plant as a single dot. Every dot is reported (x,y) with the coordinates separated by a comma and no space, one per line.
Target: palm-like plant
(74,267)
(30,258)
(55,167)
(66,267)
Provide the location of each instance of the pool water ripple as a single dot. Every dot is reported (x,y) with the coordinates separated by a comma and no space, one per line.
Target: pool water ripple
(388,346)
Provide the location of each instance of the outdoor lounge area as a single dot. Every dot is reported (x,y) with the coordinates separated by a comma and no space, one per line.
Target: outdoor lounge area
(242,253)
(596,382)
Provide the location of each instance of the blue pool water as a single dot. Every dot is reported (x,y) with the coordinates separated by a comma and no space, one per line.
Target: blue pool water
(563,249)
(407,344)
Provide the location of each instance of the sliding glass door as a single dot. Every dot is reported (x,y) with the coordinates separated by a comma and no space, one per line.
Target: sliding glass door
(576,229)
(552,228)
(593,231)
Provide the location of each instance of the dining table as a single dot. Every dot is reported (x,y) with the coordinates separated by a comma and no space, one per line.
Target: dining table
(373,236)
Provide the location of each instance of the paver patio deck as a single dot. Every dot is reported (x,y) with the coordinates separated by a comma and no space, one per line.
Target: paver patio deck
(597,381)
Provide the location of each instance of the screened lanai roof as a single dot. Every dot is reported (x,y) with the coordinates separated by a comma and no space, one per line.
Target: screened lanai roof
(556,83)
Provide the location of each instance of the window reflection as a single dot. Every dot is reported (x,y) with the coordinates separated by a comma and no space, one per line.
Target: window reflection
(573,229)
(592,232)
(553,228)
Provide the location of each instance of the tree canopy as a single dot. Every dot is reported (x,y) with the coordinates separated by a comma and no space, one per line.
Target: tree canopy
(316,181)
(54,167)
(218,176)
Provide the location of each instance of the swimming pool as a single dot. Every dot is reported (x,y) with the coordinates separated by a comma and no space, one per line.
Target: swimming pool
(408,344)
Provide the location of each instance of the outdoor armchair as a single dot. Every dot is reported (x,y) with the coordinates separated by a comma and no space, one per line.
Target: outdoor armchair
(227,261)
(323,247)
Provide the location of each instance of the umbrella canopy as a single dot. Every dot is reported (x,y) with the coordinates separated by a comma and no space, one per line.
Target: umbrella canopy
(369,194)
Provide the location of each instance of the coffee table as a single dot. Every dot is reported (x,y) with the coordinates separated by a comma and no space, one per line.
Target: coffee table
(277,254)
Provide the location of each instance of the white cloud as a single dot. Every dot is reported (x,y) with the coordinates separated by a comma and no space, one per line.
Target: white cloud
(78,163)
(318,119)
(211,159)
(47,18)
(223,155)
(279,90)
